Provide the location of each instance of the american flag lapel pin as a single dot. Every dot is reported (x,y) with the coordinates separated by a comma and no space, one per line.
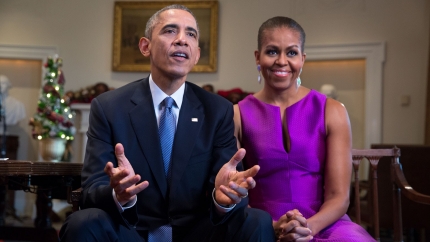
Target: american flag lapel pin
(195,120)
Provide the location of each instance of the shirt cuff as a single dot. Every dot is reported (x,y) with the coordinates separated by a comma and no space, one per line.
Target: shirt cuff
(126,206)
(220,208)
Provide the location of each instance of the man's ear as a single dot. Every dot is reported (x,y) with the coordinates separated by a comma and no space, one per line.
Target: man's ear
(145,46)
(197,56)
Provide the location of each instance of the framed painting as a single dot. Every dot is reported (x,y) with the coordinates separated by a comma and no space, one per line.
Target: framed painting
(129,26)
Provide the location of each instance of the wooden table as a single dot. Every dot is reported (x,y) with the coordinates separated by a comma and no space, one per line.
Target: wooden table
(41,177)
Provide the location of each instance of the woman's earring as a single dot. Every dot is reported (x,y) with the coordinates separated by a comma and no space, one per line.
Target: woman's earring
(259,74)
(299,81)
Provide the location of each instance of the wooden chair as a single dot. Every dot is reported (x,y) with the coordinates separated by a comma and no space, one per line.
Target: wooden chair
(415,161)
(399,185)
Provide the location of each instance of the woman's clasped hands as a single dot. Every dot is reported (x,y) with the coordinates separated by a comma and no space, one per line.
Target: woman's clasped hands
(292,226)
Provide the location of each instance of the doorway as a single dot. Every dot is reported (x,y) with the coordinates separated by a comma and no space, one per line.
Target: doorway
(348,77)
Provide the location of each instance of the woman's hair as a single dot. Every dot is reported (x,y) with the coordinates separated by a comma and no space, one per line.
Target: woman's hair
(155,18)
(279,22)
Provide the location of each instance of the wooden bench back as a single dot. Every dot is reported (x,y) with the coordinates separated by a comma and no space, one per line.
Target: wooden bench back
(399,185)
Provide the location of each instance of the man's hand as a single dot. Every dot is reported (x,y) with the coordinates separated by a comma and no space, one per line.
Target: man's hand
(122,179)
(292,226)
(230,185)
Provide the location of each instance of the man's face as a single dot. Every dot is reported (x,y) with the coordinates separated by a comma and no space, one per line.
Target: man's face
(174,48)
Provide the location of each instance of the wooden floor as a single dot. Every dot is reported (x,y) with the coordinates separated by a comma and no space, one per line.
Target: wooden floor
(15,225)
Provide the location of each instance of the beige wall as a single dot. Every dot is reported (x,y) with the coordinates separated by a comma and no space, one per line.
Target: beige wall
(82,30)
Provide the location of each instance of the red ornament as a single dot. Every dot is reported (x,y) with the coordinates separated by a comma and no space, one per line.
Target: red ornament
(61,79)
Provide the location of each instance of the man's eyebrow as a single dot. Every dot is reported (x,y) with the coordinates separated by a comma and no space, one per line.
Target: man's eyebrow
(192,30)
(175,26)
(167,26)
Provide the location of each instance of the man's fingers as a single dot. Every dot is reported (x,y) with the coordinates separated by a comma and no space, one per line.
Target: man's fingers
(242,177)
(251,172)
(109,169)
(126,183)
(126,195)
(251,182)
(142,186)
(130,187)
(117,178)
(119,149)
(237,157)
(240,191)
(133,190)
(120,156)
(230,193)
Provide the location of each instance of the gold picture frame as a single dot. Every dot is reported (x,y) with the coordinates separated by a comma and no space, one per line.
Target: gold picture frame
(129,26)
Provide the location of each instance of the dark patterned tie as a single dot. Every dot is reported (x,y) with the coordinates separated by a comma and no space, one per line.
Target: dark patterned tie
(166,131)
(161,234)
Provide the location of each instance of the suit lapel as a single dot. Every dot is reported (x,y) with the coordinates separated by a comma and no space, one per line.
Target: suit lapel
(145,126)
(191,118)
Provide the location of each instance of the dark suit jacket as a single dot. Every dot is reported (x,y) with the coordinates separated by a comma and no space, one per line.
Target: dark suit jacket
(126,115)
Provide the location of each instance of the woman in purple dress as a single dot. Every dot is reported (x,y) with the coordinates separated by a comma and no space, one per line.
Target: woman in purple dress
(302,142)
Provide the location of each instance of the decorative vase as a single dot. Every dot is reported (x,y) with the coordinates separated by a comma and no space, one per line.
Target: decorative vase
(52,149)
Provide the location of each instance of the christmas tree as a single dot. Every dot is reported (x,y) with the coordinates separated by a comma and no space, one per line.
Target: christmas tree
(54,118)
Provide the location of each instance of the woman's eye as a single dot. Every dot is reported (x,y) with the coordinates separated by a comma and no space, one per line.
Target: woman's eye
(291,53)
(271,52)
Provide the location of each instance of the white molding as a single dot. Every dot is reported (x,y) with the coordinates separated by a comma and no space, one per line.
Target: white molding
(27,52)
(374,55)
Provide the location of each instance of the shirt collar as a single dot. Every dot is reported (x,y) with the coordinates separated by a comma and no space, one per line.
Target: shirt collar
(158,95)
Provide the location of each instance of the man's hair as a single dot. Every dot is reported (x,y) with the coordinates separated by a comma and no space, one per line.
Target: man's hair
(279,22)
(156,17)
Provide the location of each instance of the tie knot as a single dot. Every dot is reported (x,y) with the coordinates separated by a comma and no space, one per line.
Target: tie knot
(168,102)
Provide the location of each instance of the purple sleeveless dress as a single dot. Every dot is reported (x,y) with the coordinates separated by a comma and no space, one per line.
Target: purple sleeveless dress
(289,180)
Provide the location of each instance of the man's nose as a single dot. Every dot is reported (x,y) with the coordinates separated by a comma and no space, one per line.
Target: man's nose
(181,40)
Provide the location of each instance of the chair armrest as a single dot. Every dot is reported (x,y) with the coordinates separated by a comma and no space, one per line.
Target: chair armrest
(407,190)
(75,198)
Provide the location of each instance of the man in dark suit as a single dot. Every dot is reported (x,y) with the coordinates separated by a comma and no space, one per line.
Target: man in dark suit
(130,193)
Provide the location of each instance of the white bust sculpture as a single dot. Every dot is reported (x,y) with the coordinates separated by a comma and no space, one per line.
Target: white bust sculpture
(329,90)
(14,109)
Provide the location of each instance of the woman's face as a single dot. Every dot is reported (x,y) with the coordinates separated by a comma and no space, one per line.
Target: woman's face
(280,57)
